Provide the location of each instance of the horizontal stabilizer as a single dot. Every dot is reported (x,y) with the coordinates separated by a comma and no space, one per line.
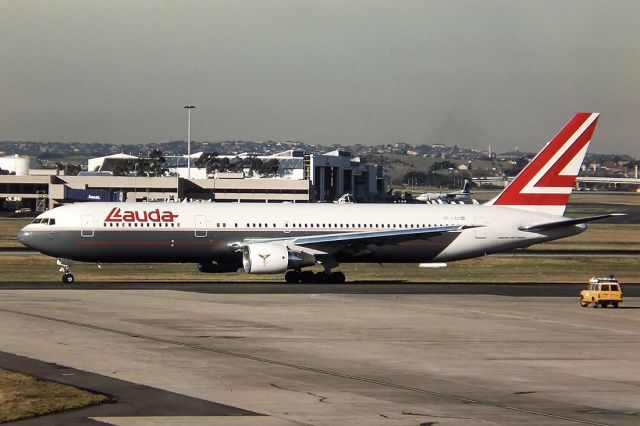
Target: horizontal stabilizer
(568,222)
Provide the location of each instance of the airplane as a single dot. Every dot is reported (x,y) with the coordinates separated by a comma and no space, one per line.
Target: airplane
(459,196)
(285,238)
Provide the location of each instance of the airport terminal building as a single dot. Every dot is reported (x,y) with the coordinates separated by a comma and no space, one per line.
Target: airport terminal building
(301,178)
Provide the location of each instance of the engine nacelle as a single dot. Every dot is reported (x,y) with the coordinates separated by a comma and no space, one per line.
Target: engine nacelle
(265,258)
(215,267)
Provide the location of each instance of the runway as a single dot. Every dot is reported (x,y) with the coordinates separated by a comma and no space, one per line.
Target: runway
(386,287)
(413,355)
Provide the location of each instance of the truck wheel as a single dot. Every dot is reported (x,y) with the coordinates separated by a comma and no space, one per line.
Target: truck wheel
(584,303)
(595,304)
(615,304)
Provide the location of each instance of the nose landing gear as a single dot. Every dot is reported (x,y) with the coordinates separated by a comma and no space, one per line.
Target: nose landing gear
(65,268)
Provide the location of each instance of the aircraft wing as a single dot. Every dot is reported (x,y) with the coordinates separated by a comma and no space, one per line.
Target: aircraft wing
(567,222)
(330,243)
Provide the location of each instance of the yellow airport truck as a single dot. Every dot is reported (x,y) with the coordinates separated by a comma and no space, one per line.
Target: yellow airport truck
(602,292)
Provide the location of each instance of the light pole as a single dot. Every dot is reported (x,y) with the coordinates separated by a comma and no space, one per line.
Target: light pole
(189,108)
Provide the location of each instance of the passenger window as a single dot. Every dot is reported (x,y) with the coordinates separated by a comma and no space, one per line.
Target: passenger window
(605,287)
(614,287)
(52,221)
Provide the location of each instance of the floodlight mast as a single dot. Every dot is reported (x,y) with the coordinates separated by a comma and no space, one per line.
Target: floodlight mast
(189,108)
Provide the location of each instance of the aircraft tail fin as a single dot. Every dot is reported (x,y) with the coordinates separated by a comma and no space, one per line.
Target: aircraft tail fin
(466,189)
(545,184)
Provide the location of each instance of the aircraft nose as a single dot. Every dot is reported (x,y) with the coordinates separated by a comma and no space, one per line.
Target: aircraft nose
(25,237)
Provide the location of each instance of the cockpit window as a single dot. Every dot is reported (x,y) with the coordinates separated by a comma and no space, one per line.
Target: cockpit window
(44,220)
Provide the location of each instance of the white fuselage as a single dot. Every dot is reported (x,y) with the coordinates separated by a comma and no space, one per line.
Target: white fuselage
(184,232)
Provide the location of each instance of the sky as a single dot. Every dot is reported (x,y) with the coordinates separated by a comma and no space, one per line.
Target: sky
(473,73)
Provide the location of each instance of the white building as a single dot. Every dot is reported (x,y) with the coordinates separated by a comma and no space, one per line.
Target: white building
(15,164)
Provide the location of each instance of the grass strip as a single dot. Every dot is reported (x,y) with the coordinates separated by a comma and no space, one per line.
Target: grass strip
(23,396)
(551,268)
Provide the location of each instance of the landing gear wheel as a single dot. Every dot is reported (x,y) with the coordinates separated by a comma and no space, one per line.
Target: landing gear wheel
(68,278)
(322,277)
(307,277)
(336,278)
(292,277)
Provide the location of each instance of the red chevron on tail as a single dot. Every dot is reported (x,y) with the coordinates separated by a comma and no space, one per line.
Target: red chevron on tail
(545,184)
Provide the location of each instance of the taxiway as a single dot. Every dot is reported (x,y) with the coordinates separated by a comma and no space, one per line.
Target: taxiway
(456,358)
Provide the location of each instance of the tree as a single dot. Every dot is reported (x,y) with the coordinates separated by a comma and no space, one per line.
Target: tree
(442,165)
(517,168)
(251,165)
(269,168)
(212,163)
(123,168)
(415,178)
(69,168)
(156,164)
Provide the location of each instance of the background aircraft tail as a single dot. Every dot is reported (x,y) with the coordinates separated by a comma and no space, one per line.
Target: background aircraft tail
(466,189)
(545,184)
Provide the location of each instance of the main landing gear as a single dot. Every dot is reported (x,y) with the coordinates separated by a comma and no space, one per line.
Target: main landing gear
(308,277)
(65,268)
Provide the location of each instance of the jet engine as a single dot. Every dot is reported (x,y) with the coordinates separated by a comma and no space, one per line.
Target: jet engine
(215,267)
(265,258)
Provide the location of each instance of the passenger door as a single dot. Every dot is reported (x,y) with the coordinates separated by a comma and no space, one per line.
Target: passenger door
(481,230)
(86,226)
(605,293)
(200,222)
